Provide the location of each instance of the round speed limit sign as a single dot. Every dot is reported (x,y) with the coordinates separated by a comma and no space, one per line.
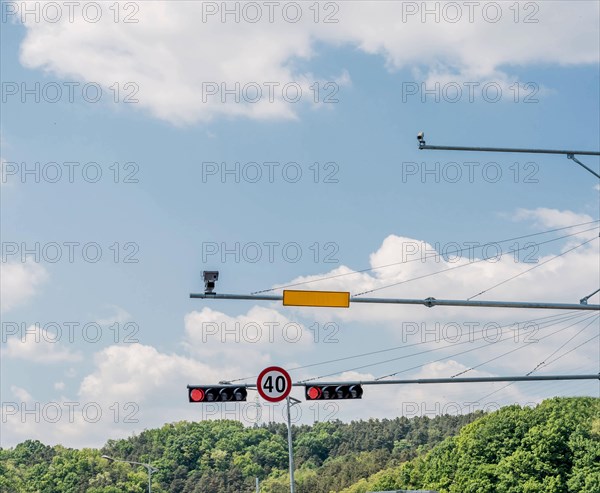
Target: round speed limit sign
(274,384)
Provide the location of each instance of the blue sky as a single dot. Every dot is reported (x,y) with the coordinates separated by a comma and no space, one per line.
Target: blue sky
(369,202)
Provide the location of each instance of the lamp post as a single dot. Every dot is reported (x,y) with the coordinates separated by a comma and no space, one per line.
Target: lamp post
(150,469)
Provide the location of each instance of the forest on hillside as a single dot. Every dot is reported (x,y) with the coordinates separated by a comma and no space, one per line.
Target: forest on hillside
(226,457)
(552,448)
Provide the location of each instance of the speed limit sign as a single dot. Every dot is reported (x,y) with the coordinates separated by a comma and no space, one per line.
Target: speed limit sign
(274,384)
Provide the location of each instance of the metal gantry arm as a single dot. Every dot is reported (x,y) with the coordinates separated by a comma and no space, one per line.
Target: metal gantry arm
(429,302)
(410,381)
(570,154)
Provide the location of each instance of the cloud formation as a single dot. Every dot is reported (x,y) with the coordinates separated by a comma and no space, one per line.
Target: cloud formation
(19,282)
(179,73)
(136,386)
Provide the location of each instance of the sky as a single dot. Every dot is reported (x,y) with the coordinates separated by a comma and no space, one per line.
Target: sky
(145,142)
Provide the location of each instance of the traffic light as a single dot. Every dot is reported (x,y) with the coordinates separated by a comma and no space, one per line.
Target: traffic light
(326,392)
(216,393)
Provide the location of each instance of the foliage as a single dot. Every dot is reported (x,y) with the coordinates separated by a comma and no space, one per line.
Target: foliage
(554,448)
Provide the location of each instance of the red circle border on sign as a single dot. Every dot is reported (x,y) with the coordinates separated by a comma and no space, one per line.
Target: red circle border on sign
(286,376)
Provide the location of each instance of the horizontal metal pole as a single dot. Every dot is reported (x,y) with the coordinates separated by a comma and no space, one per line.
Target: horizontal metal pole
(409,381)
(529,378)
(508,149)
(219,296)
(429,302)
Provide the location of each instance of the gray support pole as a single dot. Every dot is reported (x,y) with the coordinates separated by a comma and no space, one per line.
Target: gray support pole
(290,446)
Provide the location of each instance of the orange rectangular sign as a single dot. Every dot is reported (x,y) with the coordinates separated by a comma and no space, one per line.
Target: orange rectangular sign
(332,299)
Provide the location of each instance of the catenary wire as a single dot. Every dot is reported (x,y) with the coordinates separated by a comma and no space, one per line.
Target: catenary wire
(573,349)
(480,347)
(464,265)
(547,364)
(522,347)
(422,259)
(539,365)
(543,363)
(554,319)
(416,354)
(534,267)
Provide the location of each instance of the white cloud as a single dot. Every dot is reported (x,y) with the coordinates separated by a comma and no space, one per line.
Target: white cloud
(552,218)
(399,260)
(260,325)
(39,345)
(435,399)
(555,219)
(139,373)
(353,376)
(21,394)
(246,341)
(19,282)
(120,317)
(132,387)
(148,386)
(170,52)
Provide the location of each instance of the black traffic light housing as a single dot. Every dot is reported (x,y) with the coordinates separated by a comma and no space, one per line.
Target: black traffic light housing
(216,393)
(329,392)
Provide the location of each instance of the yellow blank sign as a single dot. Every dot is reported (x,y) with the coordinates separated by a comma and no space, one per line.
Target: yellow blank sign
(333,299)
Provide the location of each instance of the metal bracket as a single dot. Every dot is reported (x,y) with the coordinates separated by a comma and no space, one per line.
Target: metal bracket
(584,300)
(573,158)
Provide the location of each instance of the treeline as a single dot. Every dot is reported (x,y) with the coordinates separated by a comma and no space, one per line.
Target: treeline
(553,448)
(226,457)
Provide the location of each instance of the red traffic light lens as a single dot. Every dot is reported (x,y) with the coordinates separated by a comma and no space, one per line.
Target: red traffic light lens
(197,395)
(314,392)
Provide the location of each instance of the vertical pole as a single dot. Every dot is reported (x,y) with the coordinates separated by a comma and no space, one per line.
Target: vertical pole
(290,449)
(257,486)
(149,480)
